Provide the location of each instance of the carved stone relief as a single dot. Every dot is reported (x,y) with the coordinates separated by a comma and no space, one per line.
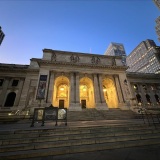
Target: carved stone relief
(74,58)
(53,57)
(113,62)
(95,60)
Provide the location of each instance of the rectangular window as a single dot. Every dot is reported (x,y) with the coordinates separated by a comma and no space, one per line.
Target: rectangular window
(1,82)
(15,82)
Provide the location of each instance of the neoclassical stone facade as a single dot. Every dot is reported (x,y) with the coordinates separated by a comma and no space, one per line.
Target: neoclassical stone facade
(145,89)
(72,80)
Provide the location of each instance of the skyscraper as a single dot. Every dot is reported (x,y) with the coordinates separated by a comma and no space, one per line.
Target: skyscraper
(144,58)
(158,27)
(1,35)
(157,3)
(116,49)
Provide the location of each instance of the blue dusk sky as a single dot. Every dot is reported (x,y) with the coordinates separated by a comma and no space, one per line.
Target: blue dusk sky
(87,26)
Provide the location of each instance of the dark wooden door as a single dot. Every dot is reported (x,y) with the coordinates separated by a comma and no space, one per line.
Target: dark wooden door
(61,103)
(83,103)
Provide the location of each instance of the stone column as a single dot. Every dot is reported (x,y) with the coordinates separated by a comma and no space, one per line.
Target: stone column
(99,95)
(153,99)
(20,87)
(74,93)
(50,88)
(77,88)
(23,99)
(96,89)
(139,88)
(118,89)
(4,91)
(72,88)
(125,90)
(101,89)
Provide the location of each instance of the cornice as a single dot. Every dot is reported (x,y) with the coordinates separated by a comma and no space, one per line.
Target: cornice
(24,70)
(142,75)
(79,53)
(40,62)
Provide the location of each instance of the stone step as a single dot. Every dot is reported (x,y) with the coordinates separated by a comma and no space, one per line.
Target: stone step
(68,141)
(77,148)
(31,133)
(11,136)
(93,114)
(85,134)
(84,115)
(39,142)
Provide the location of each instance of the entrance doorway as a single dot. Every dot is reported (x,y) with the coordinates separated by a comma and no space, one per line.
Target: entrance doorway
(83,103)
(61,103)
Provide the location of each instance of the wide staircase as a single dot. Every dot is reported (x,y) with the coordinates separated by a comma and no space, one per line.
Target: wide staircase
(84,115)
(29,143)
(94,114)
(88,130)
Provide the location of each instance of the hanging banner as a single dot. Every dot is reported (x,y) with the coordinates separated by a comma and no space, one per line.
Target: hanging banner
(41,87)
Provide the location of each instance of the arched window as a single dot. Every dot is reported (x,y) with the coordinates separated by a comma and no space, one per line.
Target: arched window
(139,100)
(157,98)
(148,98)
(10,99)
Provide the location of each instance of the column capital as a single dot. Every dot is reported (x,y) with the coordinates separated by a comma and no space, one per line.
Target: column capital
(95,74)
(115,75)
(74,73)
(100,74)
(71,73)
(22,78)
(77,73)
(8,78)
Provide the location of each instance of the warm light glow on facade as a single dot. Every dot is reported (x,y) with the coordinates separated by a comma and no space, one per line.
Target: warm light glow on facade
(62,88)
(104,89)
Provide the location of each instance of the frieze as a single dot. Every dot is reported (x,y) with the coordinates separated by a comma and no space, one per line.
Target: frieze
(81,64)
(95,60)
(113,62)
(74,58)
(53,57)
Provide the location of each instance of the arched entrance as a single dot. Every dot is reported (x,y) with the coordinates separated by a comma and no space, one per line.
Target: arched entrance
(86,93)
(148,99)
(110,94)
(157,98)
(61,92)
(139,99)
(10,99)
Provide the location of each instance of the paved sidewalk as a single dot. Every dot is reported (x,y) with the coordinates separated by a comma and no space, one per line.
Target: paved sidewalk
(134,153)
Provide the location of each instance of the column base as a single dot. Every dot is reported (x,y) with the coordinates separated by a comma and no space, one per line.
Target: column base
(121,104)
(75,107)
(124,107)
(101,106)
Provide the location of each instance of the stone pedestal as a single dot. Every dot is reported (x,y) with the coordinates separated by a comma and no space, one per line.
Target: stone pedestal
(75,107)
(101,106)
(121,104)
(125,106)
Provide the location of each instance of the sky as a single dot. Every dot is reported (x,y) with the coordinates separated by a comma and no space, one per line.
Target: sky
(86,26)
